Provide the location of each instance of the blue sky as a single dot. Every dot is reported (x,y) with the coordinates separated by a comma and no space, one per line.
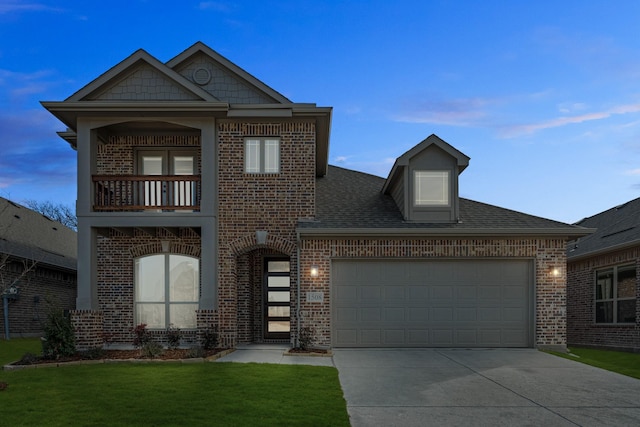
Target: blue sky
(544,96)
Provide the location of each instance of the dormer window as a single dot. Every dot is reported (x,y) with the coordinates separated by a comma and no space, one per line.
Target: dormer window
(431,188)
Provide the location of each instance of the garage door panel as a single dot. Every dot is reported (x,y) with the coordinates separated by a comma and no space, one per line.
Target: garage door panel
(452,303)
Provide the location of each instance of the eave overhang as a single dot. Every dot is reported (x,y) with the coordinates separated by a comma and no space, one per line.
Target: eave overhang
(442,232)
(602,251)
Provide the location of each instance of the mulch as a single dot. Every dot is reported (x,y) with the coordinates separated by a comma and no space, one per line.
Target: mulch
(167,354)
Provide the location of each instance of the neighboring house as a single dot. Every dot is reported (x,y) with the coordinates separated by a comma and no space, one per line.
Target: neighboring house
(205,200)
(37,268)
(603,281)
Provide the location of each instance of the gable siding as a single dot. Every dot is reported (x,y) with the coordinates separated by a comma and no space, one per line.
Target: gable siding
(144,84)
(224,85)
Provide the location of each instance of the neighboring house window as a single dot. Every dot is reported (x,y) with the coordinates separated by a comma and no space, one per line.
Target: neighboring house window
(431,188)
(262,155)
(167,290)
(616,295)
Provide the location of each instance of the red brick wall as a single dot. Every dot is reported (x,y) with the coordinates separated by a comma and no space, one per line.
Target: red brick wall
(115,274)
(550,292)
(582,329)
(250,202)
(41,289)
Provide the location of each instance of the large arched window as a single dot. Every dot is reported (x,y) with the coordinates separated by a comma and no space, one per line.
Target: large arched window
(167,289)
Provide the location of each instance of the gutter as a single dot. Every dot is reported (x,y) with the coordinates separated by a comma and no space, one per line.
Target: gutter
(602,251)
(442,232)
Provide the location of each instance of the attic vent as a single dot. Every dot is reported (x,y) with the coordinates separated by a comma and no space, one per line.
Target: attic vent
(201,76)
(17,216)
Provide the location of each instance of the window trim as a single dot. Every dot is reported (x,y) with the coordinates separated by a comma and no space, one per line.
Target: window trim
(614,292)
(167,302)
(445,175)
(263,154)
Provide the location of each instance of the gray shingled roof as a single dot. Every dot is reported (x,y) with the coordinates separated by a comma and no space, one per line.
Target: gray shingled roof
(351,200)
(28,234)
(617,227)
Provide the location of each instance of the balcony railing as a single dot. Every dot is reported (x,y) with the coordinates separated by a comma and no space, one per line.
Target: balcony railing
(146,192)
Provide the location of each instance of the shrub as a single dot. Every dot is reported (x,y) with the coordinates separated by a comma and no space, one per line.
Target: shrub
(28,359)
(142,335)
(209,338)
(306,339)
(196,352)
(59,338)
(94,353)
(152,349)
(173,337)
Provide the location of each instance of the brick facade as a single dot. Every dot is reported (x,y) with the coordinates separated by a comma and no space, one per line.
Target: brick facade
(582,329)
(41,289)
(266,202)
(550,289)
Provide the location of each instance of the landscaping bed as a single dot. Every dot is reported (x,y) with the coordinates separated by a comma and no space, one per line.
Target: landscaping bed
(30,359)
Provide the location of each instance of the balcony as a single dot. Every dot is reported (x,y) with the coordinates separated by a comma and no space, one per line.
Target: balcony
(131,193)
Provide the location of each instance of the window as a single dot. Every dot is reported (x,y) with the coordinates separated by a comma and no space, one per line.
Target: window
(167,291)
(262,156)
(431,188)
(616,295)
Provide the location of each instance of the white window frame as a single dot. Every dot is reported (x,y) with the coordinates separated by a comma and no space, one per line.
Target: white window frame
(164,288)
(262,155)
(432,178)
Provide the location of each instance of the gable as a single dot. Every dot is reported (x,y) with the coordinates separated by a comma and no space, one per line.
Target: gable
(140,77)
(220,82)
(222,78)
(142,83)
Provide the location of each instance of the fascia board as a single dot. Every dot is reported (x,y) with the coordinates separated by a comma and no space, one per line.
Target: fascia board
(140,55)
(418,232)
(598,252)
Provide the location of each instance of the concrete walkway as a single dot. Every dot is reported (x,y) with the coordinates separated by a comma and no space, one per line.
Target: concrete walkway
(272,353)
(461,387)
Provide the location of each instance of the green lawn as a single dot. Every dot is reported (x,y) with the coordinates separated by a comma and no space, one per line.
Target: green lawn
(169,394)
(616,361)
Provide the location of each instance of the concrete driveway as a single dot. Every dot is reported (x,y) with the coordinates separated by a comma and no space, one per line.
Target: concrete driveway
(492,387)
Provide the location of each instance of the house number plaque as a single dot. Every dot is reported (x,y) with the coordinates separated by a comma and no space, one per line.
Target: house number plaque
(315,296)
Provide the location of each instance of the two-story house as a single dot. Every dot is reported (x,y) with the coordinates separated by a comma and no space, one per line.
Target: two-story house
(205,200)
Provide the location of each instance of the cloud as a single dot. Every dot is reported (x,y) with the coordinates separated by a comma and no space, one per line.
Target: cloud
(632,172)
(20,85)
(528,129)
(9,6)
(456,112)
(213,5)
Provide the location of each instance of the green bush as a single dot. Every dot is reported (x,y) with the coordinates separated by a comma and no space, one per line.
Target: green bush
(173,337)
(59,338)
(306,337)
(152,349)
(209,338)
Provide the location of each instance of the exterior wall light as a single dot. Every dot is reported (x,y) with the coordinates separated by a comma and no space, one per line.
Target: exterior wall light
(314,271)
(555,272)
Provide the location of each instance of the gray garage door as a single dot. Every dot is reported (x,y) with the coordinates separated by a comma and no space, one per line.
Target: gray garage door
(452,303)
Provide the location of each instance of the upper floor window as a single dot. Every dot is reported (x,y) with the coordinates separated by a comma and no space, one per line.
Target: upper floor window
(262,155)
(167,291)
(431,188)
(615,300)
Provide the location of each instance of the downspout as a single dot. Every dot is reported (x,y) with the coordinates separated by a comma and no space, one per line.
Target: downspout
(5,306)
(297,340)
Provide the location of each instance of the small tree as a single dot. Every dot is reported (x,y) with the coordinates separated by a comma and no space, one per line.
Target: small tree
(59,338)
